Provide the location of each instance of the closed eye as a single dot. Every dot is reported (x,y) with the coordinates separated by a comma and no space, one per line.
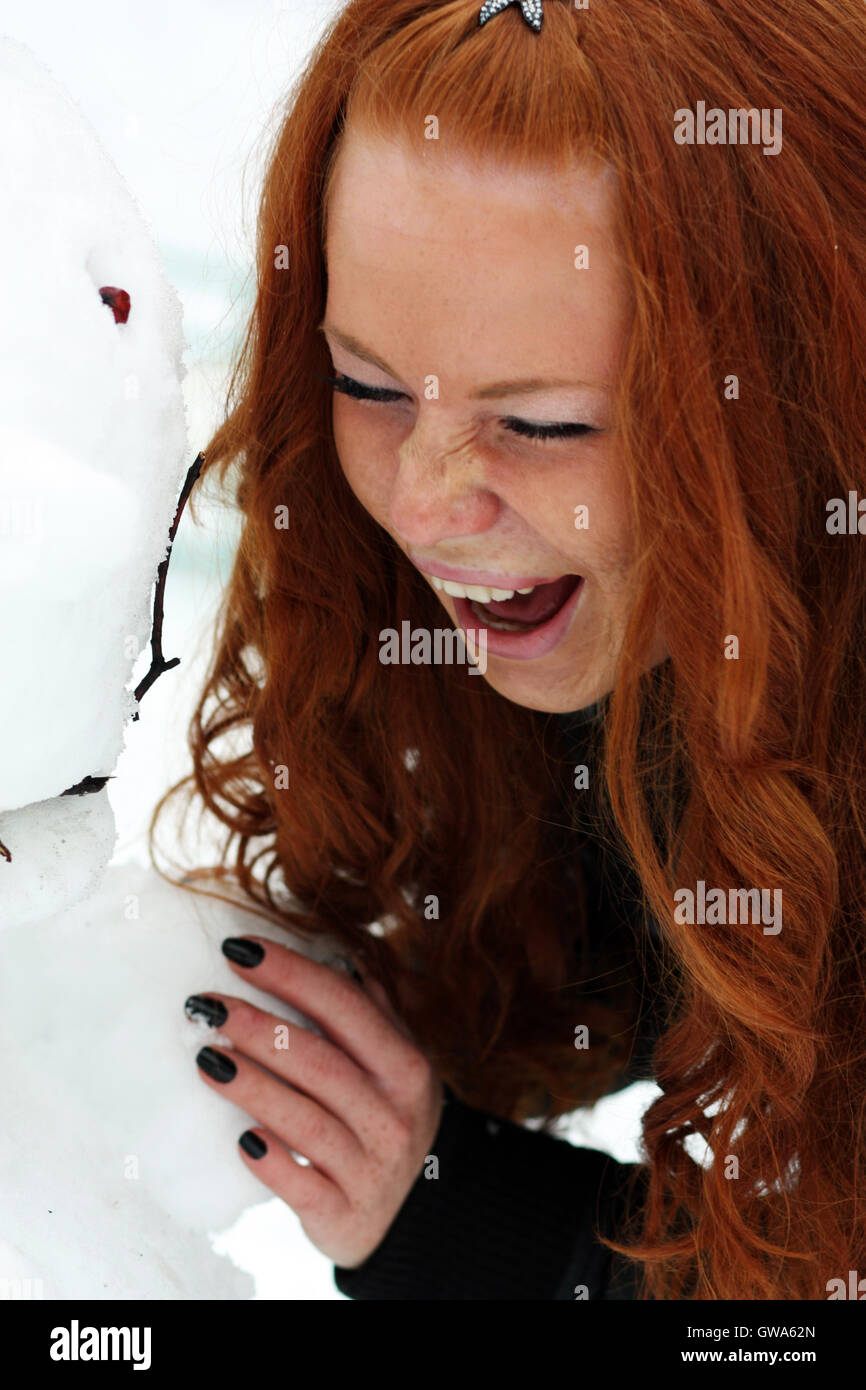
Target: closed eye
(349,387)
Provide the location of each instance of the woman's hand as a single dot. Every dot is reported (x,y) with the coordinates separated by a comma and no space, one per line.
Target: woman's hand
(363,1105)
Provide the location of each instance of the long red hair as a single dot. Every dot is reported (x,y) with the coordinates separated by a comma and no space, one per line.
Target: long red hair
(409,783)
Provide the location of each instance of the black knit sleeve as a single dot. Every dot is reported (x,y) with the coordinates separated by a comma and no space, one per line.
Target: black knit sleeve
(512,1214)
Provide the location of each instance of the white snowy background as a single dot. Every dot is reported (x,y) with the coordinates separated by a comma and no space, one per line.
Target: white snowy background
(180,98)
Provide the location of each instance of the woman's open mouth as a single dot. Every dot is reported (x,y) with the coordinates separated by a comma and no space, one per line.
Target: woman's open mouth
(522,625)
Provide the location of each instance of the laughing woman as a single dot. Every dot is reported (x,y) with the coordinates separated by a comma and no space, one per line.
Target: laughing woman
(559,342)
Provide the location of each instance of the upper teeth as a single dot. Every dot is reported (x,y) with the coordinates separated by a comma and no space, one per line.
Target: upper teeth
(479,592)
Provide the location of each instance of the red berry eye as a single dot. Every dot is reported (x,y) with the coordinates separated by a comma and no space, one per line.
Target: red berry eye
(117,300)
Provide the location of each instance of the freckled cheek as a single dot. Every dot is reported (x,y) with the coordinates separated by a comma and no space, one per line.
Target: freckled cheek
(546,504)
(598,544)
(611,530)
(365,457)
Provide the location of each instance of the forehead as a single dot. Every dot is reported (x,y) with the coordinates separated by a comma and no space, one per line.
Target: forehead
(483,188)
(462,257)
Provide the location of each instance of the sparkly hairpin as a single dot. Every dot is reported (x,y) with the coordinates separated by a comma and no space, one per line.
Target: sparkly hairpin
(530,9)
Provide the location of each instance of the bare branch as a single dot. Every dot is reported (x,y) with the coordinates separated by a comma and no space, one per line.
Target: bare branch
(158,663)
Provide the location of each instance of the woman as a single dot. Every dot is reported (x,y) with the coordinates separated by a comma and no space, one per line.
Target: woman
(560,341)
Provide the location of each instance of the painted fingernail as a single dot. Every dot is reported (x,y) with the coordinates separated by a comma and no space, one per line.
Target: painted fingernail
(252,1144)
(202,1006)
(217,1066)
(243,952)
(350,967)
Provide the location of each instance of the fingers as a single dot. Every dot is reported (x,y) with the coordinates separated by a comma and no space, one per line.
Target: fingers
(359,1104)
(301,1186)
(339,1006)
(312,1064)
(296,1120)
(374,991)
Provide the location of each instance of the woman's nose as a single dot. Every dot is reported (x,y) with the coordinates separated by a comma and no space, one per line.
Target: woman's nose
(439,491)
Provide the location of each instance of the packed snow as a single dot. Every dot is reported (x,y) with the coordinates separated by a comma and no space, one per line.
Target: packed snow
(119,1170)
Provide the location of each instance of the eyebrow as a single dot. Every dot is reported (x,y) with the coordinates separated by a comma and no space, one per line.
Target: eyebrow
(495,391)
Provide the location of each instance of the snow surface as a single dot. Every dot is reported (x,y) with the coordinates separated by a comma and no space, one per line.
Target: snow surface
(131,1160)
(119,1168)
(93,452)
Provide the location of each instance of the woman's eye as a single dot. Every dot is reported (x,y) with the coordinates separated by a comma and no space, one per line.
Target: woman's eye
(349,387)
(564,431)
(539,433)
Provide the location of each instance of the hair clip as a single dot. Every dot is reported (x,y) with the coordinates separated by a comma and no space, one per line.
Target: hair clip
(530,9)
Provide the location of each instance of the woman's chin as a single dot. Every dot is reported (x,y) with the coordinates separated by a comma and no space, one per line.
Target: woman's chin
(540,689)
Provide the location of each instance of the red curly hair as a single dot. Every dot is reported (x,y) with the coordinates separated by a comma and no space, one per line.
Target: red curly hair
(407,781)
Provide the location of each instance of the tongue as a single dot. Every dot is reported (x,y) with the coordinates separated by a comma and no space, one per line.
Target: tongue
(534,608)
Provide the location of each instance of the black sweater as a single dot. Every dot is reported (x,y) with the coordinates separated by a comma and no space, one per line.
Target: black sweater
(513,1213)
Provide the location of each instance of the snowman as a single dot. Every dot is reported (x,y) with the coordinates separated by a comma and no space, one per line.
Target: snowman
(119,1169)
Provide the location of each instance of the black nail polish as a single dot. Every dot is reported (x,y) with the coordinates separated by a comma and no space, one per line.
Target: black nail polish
(252,1144)
(213,1011)
(217,1066)
(350,967)
(243,952)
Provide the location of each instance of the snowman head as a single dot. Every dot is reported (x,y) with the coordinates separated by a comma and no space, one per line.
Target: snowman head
(93,454)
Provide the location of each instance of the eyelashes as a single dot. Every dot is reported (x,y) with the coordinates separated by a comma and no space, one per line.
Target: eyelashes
(349,387)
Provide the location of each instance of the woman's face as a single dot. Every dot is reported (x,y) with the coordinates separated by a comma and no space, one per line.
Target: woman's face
(458,279)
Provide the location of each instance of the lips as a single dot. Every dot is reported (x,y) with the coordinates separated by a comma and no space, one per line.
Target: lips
(496,580)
